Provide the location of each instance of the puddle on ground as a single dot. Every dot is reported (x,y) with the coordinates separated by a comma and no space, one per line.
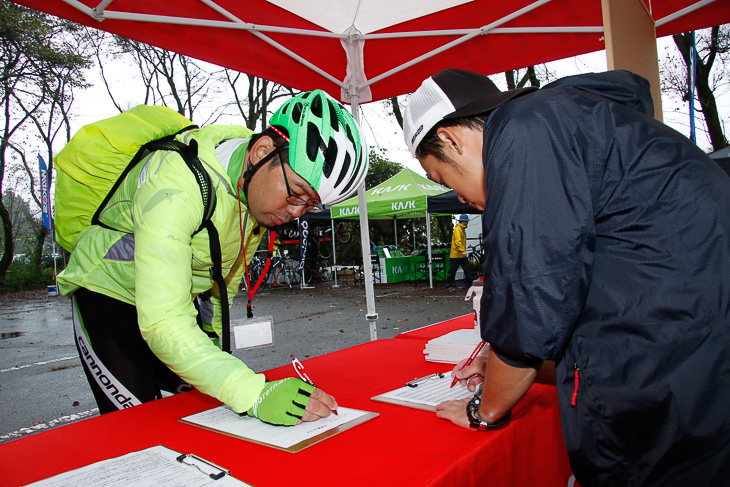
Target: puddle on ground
(12,334)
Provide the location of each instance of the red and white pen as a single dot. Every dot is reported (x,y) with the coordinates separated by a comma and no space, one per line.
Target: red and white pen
(470,359)
(302,373)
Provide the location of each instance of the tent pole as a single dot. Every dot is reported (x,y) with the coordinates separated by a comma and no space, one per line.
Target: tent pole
(371,316)
(395,231)
(334,253)
(413,227)
(428,238)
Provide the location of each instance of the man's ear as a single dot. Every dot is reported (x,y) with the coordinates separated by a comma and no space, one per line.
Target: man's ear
(450,139)
(260,148)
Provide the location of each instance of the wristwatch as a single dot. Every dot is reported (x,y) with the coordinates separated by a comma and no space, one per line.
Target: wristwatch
(475,422)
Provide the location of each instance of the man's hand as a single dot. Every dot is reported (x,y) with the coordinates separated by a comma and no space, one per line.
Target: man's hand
(320,406)
(471,376)
(291,401)
(454,411)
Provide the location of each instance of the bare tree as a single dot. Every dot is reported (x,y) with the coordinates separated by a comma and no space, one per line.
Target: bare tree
(261,94)
(192,88)
(41,66)
(396,110)
(534,74)
(20,216)
(167,78)
(711,60)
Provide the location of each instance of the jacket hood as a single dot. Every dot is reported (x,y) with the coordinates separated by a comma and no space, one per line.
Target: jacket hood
(620,86)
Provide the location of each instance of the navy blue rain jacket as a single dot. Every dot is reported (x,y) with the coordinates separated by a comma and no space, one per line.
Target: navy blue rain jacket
(607,237)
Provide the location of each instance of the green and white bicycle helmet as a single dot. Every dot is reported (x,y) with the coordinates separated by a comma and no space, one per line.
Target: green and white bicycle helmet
(325,147)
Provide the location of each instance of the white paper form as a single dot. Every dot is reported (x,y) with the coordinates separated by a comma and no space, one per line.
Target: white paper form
(452,347)
(427,394)
(290,438)
(157,466)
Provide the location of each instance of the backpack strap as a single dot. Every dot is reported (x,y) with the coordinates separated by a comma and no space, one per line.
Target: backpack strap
(189,153)
(143,152)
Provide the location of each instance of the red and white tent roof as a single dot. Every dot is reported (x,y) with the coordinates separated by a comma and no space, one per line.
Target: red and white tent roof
(373,48)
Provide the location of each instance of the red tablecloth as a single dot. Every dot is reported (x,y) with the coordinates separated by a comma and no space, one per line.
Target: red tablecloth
(403,446)
(430,332)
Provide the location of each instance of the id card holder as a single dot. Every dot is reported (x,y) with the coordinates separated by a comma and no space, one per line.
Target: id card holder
(247,333)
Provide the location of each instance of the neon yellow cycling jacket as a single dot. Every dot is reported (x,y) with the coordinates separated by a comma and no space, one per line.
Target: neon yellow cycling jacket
(156,263)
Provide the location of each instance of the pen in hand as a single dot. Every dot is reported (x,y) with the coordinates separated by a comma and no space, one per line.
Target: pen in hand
(470,359)
(302,373)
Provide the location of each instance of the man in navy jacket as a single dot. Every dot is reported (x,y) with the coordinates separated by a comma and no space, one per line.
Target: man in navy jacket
(607,239)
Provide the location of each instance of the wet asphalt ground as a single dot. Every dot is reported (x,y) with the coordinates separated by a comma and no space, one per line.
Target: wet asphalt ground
(42,383)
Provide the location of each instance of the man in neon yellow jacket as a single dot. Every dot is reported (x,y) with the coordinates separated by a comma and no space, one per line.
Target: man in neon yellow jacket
(134,287)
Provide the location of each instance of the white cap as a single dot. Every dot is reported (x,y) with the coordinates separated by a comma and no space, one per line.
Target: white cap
(451,93)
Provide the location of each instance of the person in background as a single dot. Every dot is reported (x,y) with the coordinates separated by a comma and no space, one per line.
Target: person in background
(608,237)
(276,256)
(133,282)
(458,257)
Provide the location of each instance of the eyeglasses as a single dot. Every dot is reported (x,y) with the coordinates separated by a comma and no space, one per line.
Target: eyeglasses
(296,200)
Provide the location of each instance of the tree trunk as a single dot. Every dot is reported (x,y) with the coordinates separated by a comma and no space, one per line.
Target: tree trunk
(702,82)
(36,259)
(396,110)
(8,247)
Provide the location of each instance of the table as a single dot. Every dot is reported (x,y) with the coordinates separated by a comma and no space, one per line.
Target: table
(430,332)
(403,446)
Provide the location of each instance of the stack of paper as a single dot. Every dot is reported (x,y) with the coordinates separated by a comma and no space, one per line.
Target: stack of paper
(452,347)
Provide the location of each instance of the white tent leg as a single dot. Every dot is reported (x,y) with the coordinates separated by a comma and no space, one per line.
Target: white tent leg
(395,231)
(371,316)
(413,227)
(428,239)
(334,254)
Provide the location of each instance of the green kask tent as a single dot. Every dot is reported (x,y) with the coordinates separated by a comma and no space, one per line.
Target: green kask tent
(402,196)
(405,195)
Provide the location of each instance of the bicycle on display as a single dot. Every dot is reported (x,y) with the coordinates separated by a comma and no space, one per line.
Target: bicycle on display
(322,236)
(256,267)
(318,273)
(286,276)
(476,258)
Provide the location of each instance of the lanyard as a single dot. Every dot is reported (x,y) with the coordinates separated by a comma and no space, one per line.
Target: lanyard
(272,237)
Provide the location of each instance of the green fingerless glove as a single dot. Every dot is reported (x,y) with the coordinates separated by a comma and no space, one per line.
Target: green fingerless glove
(282,402)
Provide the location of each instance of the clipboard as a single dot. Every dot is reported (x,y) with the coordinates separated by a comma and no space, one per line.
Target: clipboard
(425,393)
(146,467)
(292,439)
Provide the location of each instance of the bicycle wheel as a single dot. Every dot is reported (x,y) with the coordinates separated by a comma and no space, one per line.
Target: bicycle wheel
(254,271)
(289,275)
(476,264)
(308,274)
(324,248)
(295,274)
(343,232)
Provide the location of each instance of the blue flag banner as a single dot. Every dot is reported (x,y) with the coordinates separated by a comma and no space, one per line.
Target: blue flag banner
(45,193)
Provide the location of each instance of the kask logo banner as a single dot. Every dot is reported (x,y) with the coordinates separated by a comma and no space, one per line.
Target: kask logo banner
(355,210)
(403,205)
(391,189)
